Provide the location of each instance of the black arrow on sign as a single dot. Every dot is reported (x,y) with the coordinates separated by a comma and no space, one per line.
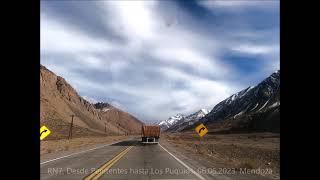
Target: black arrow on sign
(43,132)
(203,128)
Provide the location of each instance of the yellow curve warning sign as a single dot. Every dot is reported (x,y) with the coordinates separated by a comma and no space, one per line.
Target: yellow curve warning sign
(201,130)
(44,132)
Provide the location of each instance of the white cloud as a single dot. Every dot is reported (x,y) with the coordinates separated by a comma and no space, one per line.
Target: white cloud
(198,92)
(141,24)
(189,57)
(133,18)
(56,37)
(186,61)
(255,49)
(236,4)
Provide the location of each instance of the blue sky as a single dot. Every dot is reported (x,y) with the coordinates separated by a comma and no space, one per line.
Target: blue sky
(155,59)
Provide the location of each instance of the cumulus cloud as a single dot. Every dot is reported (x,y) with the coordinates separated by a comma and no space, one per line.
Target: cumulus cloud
(130,54)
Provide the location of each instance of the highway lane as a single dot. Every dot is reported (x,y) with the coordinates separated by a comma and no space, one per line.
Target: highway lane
(79,165)
(124,160)
(145,162)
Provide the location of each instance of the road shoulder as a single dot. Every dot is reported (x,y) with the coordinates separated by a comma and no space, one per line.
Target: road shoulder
(61,148)
(204,166)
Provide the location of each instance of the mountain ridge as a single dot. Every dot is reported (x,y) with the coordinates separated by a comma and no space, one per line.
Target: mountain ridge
(251,99)
(253,108)
(175,122)
(59,100)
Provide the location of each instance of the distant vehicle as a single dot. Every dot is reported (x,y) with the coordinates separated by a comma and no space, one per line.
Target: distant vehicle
(150,134)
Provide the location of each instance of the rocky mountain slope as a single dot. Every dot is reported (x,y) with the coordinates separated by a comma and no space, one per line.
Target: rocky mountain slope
(125,121)
(253,109)
(165,124)
(188,121)
(252,99)
(58,101)
(179,121)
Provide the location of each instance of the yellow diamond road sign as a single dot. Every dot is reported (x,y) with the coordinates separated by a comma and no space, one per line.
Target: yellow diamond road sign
(44,132)
(201,130)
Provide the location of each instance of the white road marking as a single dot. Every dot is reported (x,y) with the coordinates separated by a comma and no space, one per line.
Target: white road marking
(79,152)
(189,168)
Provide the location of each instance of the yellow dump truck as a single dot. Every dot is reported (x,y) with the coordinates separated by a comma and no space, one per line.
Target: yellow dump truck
(150,134)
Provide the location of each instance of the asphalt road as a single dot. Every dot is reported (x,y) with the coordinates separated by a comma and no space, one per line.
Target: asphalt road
(124,160)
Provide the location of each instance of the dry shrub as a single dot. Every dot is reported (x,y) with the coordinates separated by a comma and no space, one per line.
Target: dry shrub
(49,150)
(199,149)
(249,164)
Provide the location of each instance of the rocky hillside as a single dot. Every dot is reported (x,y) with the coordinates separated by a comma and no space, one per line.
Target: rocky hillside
(125,121)
(252,99)
(58,101)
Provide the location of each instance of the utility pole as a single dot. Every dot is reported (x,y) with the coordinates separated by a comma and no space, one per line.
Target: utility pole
(118,129)
(105,127)
(70,130)
(118,123)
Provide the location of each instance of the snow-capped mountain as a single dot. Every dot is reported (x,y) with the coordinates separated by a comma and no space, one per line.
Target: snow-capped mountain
(249,100)
(196,116)
(165,124)
(188,120)
(259,101)
(102,106)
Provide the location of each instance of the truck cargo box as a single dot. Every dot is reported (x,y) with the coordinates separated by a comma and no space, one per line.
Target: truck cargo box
(150,133)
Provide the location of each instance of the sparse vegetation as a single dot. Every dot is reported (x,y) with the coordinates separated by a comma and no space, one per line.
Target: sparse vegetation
(49,150)
(255,150)
(249,164)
